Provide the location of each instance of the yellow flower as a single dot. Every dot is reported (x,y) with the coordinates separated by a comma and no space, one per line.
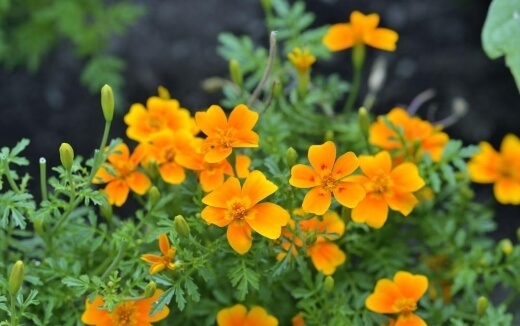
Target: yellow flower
(239,316)
(386,187)
(124,314)
(239,209)
(302,60)
(222,134)
(159,263)
(399,296)
(501,168)
(326,177)
(121,175)
(362,29)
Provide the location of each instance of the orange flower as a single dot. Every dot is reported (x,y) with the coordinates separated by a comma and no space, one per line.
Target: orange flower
(239,316)
(362,29)
(417,133)
(238,208)
(121,175)
(502,169)
(124,314)
(159,114)
(298,320)
(326,256)
(325,177)
(301,60)
(223,135)
(399,296)
(159,263)
(385,187)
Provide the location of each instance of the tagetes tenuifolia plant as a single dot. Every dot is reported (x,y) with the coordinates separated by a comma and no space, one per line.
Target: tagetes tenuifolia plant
(239,315)
(326,177)
(127,313)
(399,296)
(501,168)
(239,208)
(166,260)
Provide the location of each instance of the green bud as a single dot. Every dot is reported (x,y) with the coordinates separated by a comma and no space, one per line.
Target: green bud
(506,246)
(482,304)
(154,195)
(277,89)
(66,156)
(364,121)
(106,211)
(110,284)
(16,277)
(328,284)
(38,225)
(329,135)
(235,72)
(291,157)
(181,226)
(107,102)
(311,239)
(149,290)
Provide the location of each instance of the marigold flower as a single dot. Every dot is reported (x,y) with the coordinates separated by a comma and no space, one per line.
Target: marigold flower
(222,134)
(362,29)
(238,208)
(327,176)
(302,60)
(160,263)
(238,315)
(501,168)
(298,320)
(120,174)
(126,313)
(417,133)
(159,114)
(399,296)
(386,187)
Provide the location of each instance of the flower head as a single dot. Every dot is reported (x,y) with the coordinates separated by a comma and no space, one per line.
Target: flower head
(222,134)
(127,313)
(120,174)
(302,60)
(159,263)
(386,187)
(239,209)
(501,168)
(399,296)
(362,29)
(326,176)
(238,315)
(298,320)
(417,133)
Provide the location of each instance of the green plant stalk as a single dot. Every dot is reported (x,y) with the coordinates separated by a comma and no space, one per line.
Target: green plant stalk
(267,71)
(43,178)
(303,82)
(99,155)
(14,319)
(116,260)
(358,60)
(9,177)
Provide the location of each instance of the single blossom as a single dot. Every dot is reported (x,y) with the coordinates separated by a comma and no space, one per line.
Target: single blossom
(124,314)
(419,136)
(239,316)
(386,187)
(222,135)
(301,60)
(327,176)
(121,175)
(298,320)
(239,209)
(501,168)
(399,296)
(362,29)
(166,260)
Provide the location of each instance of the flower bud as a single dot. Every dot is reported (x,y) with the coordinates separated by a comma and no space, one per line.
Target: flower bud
(277,89)
(106,210)
(291,157)
(163,93)
(107,102)
(16,277)
(154,195)
(506,246)
(328,284)
(311,239)
(149,290)
(364,121)
(66,156)
(38,225)
(181,226)
(329,135)
(482,304)
(235,72)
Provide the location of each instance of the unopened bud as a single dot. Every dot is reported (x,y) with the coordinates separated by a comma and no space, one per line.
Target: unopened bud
(328,284)
(149,290)
(154,195)
(329,135)
(181,226)
(163,93)
(235,72)
(364,121)
(291,157)
(38,225)
(311,239)
(66,156)
(16,277)
(107,102)
(482,304)
(506,246)
(106,211)
(277,89)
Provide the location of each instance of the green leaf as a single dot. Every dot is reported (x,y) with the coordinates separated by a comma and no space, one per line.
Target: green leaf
(242,277)
(164,300)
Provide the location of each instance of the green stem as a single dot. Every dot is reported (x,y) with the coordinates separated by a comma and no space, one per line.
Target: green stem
(43,178)
(9,176)
(233,163)
(116,260)
(267,71)
(358,59)
(101,151)
(14,320)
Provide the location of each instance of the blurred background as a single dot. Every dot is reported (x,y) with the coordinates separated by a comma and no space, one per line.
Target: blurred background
(54,57)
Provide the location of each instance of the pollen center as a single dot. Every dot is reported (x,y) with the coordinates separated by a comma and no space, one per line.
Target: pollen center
(237,209)
(155,122)
(405,305)
(506,170)
(382,183)
(124,314)
(226,137)
(329,182)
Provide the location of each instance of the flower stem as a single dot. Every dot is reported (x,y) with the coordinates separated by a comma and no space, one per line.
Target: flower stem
(267,71)
(43,178)
(9,176)
(116,260)
(98,156)
(358,59)
(14,319)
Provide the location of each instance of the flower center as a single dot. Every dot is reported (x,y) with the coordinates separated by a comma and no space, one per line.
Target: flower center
(381,183)
(328,182)
(237,209)
(226,137)
(169,154)
(405,305)
(124,314)
(124,168)
(506,170)
(155,122)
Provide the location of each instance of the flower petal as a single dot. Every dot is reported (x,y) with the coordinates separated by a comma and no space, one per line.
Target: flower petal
(322,157)
(339,37)
(152,259)
(410,319)
(164,244)
(172,173)
(217,154)
(239,236)
(95,316)
(211,120)
(381,163)
(215,215)
(258,316)
(138,182)
(103,176)
(242,165)
(257,187)
(507,191)
(326,257)
(220,196)
(404,203)
(411,286)
(232,316)
(211,179)
(510,147)
(145,306)
(317,201)
(303,176)
(267,219)
(372,210)
(349,194)
(382,301)
(117,192)
(406,177)
(483,166)
(242,118)
(364,22)
(345,165)
(382,38)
